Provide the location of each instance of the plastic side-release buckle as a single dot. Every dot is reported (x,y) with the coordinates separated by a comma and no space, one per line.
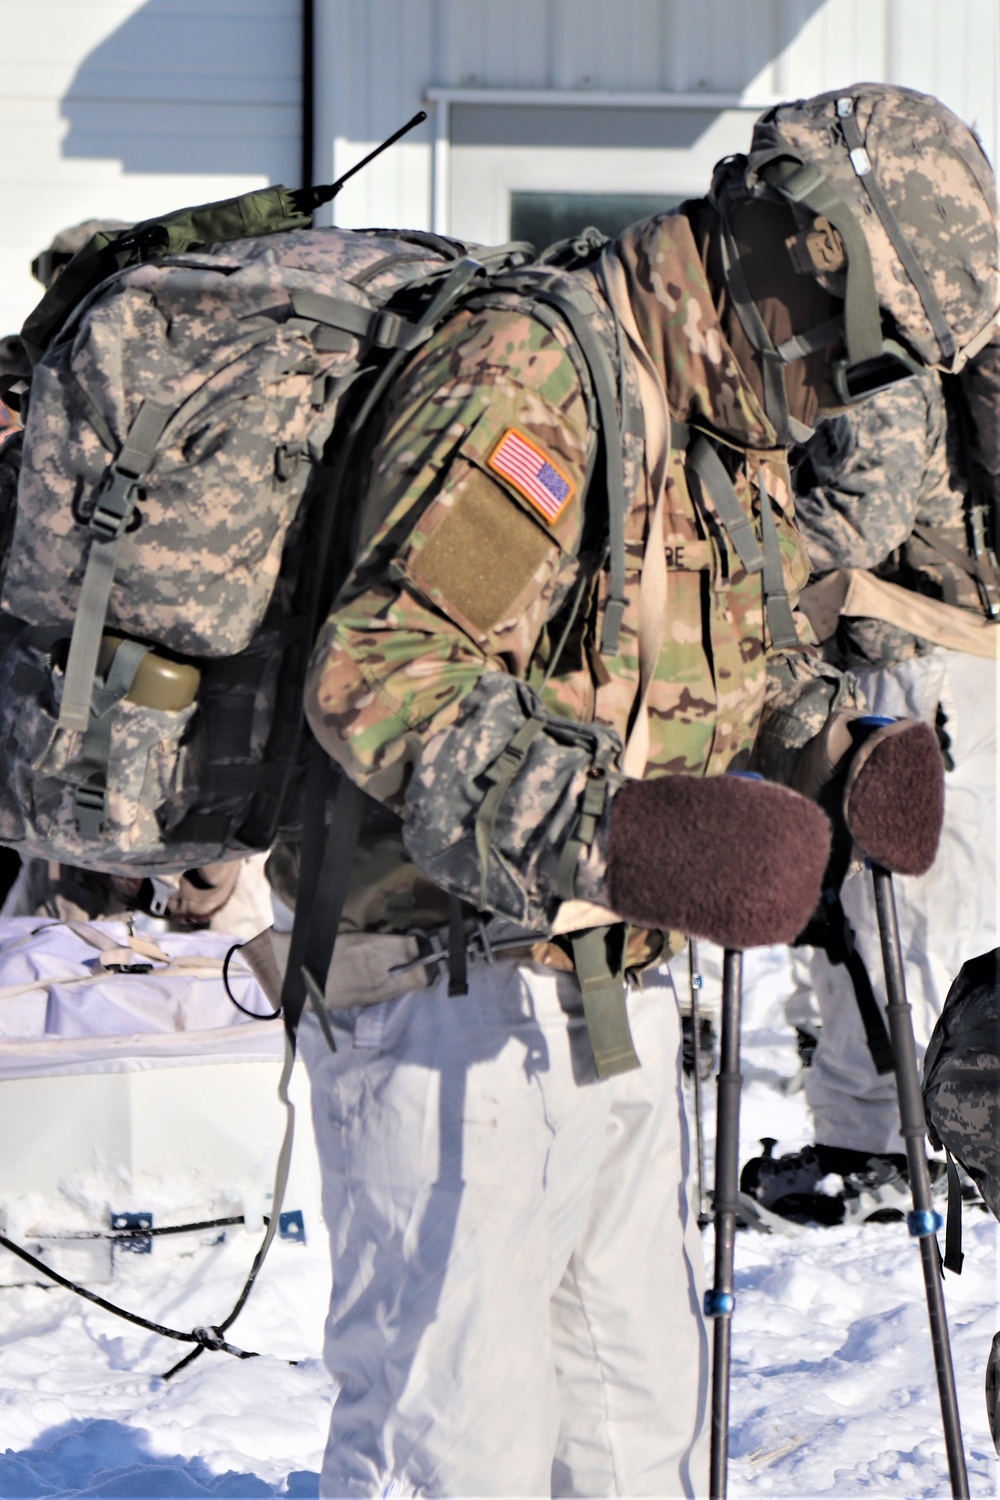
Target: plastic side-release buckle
(90,807)
(390,331)
(113,506)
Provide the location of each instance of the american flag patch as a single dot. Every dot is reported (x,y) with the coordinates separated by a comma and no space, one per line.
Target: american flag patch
(532,472)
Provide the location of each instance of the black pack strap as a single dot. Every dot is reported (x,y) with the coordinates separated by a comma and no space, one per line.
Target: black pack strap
(112,513)
(780,620)
(706,463)
(452,287)
(327,857)
(458,961)
(441,304)
(602,985)
(602,376)
(953,1254)
(203,828)
(841,948)
(381,327)
(861,162)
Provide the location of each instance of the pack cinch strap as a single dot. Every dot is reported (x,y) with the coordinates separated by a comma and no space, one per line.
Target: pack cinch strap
(111,516)
(706,463)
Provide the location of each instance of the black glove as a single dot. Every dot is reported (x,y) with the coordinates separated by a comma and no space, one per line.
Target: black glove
(729,858)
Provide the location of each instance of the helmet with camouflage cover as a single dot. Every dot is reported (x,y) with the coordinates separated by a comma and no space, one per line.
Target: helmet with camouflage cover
(896,205)
(48,263)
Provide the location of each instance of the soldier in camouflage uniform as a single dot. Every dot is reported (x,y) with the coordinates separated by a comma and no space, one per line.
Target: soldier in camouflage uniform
(887,488)
(517,1290)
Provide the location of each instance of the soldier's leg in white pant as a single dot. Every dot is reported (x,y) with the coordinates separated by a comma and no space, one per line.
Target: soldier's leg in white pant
(462,1150)
(945,916)
(633,1289)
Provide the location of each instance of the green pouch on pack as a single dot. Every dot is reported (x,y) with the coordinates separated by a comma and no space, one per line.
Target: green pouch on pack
(270,210)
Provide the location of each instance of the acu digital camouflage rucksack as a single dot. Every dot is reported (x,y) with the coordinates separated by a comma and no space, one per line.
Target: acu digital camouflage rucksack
(183,515)
(962,1075)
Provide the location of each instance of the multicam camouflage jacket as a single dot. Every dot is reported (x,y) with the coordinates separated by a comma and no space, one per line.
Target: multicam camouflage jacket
(880,487)
(464,651)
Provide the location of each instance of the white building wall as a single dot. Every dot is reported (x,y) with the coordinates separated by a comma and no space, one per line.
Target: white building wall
(383,57)
(124,108)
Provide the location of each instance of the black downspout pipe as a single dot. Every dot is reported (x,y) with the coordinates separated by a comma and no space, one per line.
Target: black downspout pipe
(308,110)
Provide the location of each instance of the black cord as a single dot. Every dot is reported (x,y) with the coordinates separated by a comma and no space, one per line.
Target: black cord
(202,1338)
(253,1014)
(144,1234)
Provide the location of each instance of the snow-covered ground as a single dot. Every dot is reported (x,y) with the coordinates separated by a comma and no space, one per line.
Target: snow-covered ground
(833,1382)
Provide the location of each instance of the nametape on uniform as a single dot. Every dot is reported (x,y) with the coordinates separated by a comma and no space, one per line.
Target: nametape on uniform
(532,473)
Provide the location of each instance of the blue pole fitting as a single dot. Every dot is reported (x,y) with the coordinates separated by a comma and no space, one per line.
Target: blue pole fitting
(860,729)
(718,1304)
(922,1222)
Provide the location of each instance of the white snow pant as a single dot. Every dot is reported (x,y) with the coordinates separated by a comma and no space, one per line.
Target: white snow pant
(945,916)
(517,1268)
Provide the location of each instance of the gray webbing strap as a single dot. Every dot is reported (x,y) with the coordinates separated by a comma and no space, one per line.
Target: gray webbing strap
(501,774)
(604,1009)
(112,514)
(384,329)
(862,316)
(90,796)
(780,621)
(707,464)
(861,162)
(801,344)
(979,568)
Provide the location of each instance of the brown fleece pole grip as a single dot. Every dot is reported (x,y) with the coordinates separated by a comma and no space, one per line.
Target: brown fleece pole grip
(894,797)
(734,860)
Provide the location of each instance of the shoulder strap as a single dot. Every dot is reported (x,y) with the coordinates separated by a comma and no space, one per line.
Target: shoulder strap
(578,309)
(333,808)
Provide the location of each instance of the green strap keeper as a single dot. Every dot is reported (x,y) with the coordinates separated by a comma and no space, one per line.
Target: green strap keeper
(603,990)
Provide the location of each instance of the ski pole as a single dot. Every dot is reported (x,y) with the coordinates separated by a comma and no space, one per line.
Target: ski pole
(923,1223)
(695,982)
(719,1299)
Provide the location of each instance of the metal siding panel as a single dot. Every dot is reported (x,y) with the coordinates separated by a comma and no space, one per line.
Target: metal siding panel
(186,52)
(486,44)
(188,137)
(841,43)
(952,54)
(168,102)
(609,47)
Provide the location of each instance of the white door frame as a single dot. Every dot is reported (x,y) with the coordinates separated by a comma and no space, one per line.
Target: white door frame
(441,99)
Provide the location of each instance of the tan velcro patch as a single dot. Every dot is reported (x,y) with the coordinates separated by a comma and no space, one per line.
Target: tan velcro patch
(481,557)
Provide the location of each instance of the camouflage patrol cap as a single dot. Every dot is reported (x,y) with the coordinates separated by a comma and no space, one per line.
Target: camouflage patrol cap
(49,262)
(917,181)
